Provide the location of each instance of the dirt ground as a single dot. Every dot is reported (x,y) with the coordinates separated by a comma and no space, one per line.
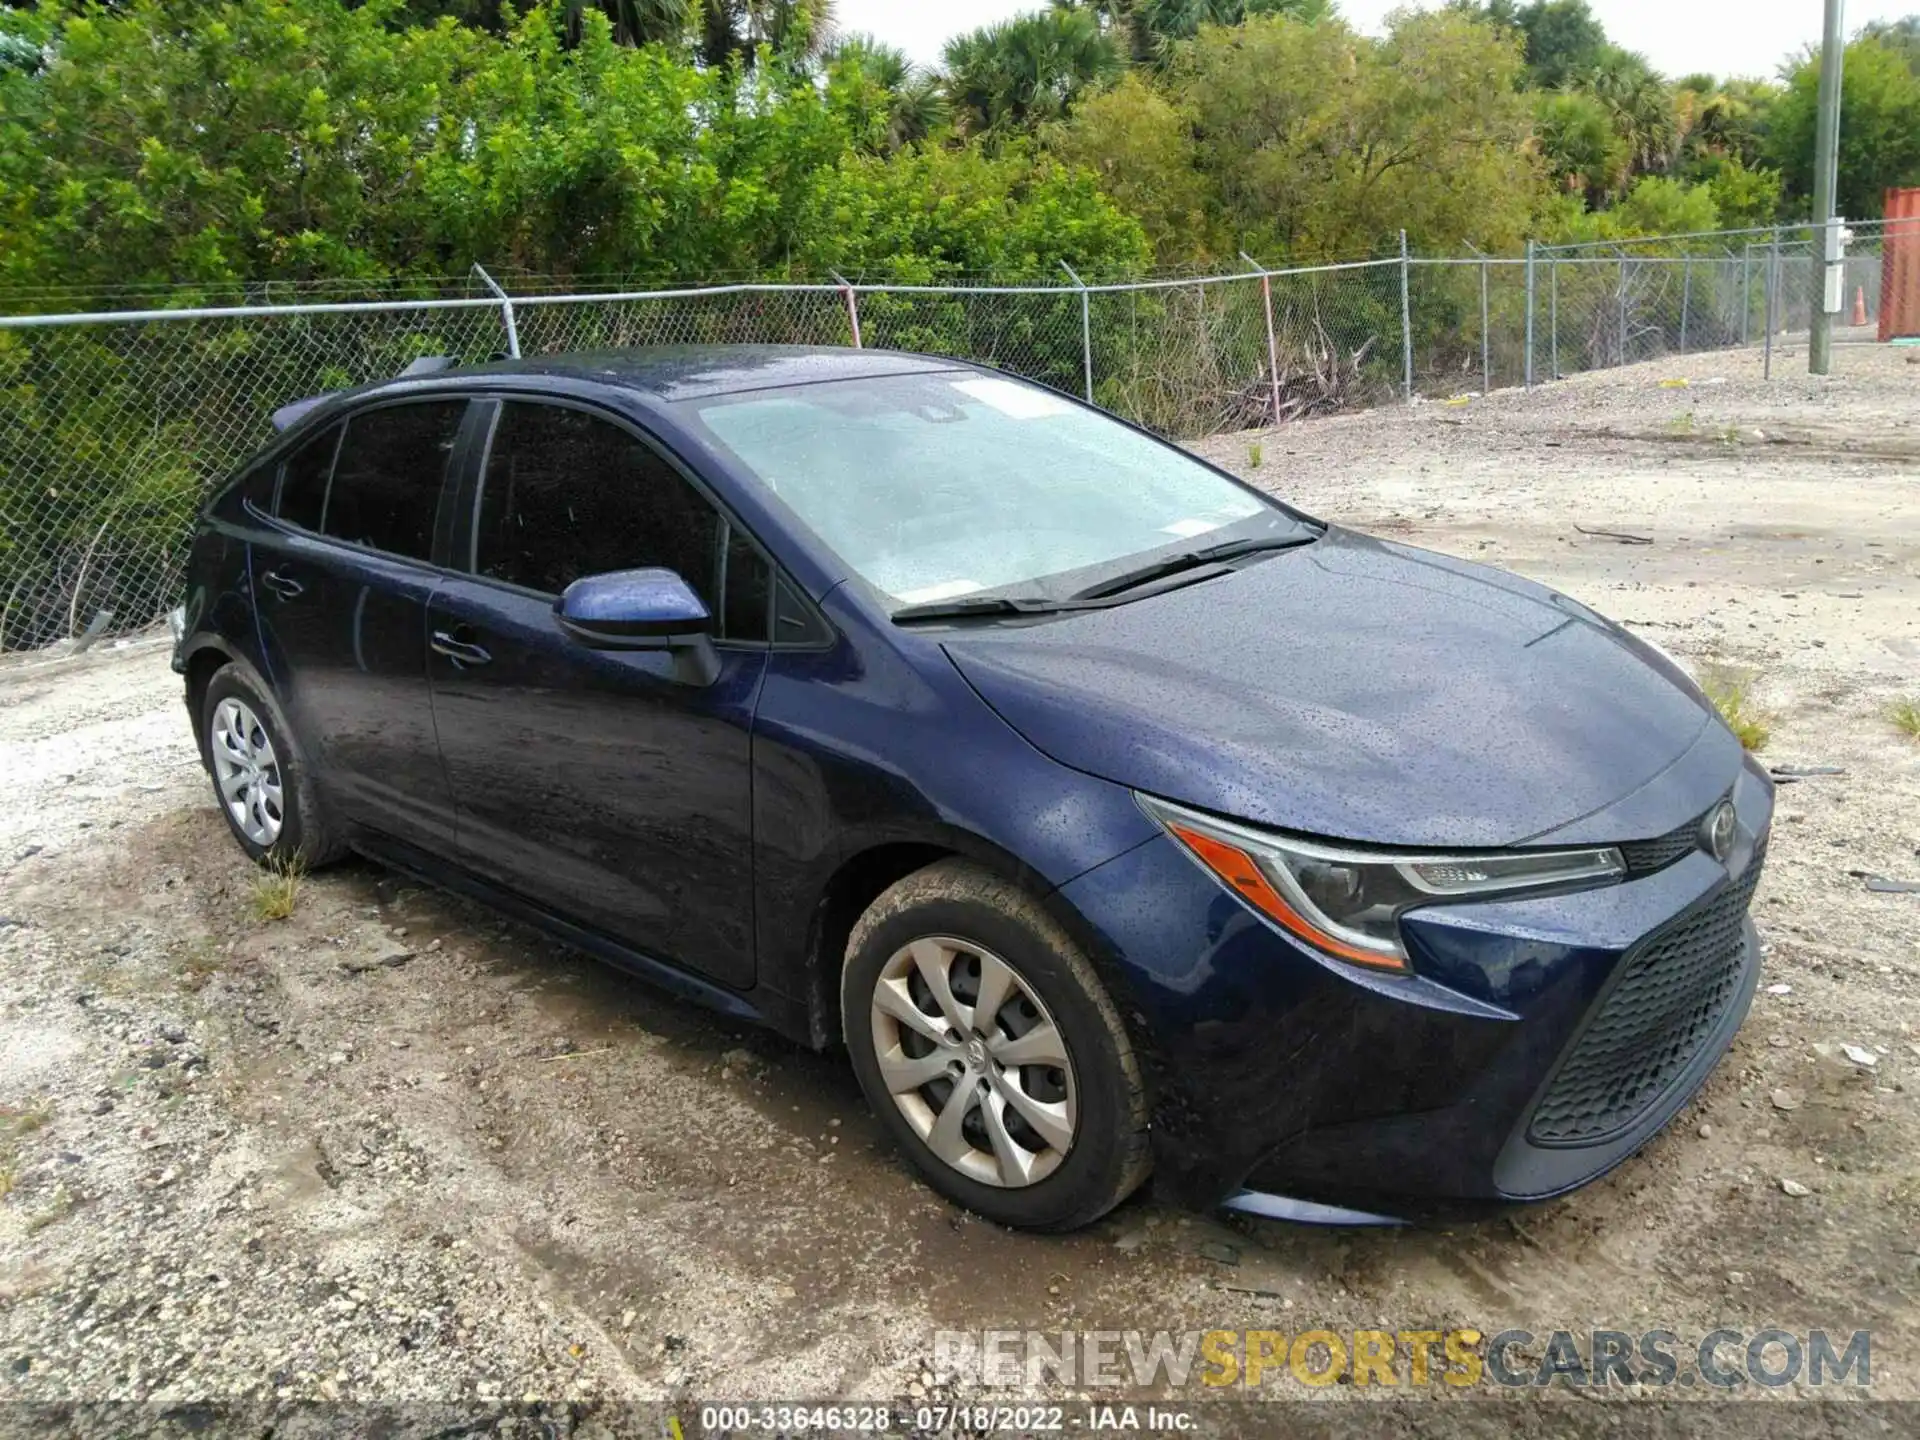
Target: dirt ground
(251,1158)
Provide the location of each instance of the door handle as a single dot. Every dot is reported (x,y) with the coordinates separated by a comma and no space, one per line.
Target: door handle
(283,585)
(461,652)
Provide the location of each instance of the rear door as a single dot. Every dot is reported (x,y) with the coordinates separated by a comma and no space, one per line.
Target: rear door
(593,782)
(340,586)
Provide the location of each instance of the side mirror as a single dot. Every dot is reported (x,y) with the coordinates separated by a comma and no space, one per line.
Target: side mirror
(642,610)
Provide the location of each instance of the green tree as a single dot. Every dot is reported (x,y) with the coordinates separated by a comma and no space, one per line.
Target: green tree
(1150,30)
(1641,106)
(172,143)
(1140,146)
(891,101)
(1316,140)
(1734,119)
(1584,154)
(1563,40)
(1901,36)
(799,31)
(1028,70)
(186,141)
(934,213)
(1661,205)
(1879,128)
(1745,199)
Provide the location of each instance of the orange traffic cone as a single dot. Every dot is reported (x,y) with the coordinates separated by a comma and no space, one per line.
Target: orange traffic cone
(1860,305)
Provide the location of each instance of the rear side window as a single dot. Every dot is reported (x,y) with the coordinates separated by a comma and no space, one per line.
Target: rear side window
(303,480)
(567,494)
(387,476)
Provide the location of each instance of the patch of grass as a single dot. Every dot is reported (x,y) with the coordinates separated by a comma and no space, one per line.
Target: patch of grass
(200,965)
(16,1123)
(58,1208)
(1732,695)
(1681,424)
(19,1120)
(1905,715)
(1255,455)
(276,889)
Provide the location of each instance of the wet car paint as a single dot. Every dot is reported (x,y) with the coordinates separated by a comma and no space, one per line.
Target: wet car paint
(811,773)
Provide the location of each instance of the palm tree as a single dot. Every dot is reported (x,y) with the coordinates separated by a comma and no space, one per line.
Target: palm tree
(635,22)
(1152,28)
(1641,106)
(1028,70)
(915,104)
(798,30)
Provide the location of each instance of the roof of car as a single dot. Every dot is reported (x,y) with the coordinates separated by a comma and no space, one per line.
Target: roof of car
(691,372)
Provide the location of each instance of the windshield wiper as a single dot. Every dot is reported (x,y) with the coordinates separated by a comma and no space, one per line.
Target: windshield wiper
(1189,560)
(966,606)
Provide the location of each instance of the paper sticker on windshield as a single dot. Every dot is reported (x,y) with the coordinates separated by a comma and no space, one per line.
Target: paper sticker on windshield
(1019,401)
(1187,529)
(945,590)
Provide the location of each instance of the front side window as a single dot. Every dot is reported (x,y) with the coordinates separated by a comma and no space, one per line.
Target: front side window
(935,486)
(388,474)
(567,494)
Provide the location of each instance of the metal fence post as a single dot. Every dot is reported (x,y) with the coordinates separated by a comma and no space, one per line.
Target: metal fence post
(1686,297)
(1623,309)
(506,310)
(1486,337)
(1773,299)
(1086,329)
(853,305)
(1530,297)
(1406,316)
(1273,347)
(1553,320)
(1746,294)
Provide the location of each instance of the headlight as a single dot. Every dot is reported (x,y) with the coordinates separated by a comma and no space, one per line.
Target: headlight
(1348,902)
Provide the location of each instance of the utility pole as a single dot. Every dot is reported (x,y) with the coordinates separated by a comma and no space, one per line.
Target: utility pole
(1829,278)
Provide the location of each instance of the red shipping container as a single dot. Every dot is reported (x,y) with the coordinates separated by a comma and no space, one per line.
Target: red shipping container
(1900,266)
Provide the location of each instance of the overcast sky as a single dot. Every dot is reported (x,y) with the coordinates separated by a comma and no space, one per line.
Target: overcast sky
(1727,37)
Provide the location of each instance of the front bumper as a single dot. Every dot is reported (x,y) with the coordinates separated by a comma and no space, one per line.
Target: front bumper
(1538,1044)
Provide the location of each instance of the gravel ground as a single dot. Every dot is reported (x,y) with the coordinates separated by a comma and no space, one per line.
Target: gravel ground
(390,1148)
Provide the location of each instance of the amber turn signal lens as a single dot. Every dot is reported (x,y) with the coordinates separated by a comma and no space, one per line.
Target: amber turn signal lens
(1244,877)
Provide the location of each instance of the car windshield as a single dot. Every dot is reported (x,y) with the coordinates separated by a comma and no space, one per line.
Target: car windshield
(948,484)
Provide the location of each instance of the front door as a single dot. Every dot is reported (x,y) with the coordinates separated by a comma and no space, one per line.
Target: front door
(341,587)
(595,783)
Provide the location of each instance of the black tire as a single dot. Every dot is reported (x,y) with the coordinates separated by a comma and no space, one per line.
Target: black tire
(1107,1157)
(305,838)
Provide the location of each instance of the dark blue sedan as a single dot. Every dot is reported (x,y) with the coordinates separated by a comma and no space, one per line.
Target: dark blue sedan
(1115,816)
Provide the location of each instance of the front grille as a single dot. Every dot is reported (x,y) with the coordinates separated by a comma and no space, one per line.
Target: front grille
(1643,857)
(1651,1021)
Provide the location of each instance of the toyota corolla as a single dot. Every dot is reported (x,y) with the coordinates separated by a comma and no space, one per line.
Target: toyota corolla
(1116,817)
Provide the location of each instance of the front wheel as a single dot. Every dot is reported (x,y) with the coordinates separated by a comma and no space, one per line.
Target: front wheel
(991,1052)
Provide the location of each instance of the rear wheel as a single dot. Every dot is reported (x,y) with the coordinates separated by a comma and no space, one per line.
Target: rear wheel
(991,1052)
(260,779)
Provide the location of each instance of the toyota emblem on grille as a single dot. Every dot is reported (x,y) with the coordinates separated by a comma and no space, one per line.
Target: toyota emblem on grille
(1717,834)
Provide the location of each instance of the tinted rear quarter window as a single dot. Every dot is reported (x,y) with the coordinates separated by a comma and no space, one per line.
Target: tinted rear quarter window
(303,480)
(388,474)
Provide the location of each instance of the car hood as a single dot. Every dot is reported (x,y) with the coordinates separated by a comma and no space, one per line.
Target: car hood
(1363,690)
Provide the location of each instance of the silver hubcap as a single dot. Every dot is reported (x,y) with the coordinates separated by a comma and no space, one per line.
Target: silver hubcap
(974,1061)
(247,772)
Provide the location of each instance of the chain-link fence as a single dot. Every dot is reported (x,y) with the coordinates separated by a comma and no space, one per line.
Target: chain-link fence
(1484,322)
(113,425)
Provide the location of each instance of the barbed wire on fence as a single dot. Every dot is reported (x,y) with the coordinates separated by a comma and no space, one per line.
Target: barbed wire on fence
(114,425)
